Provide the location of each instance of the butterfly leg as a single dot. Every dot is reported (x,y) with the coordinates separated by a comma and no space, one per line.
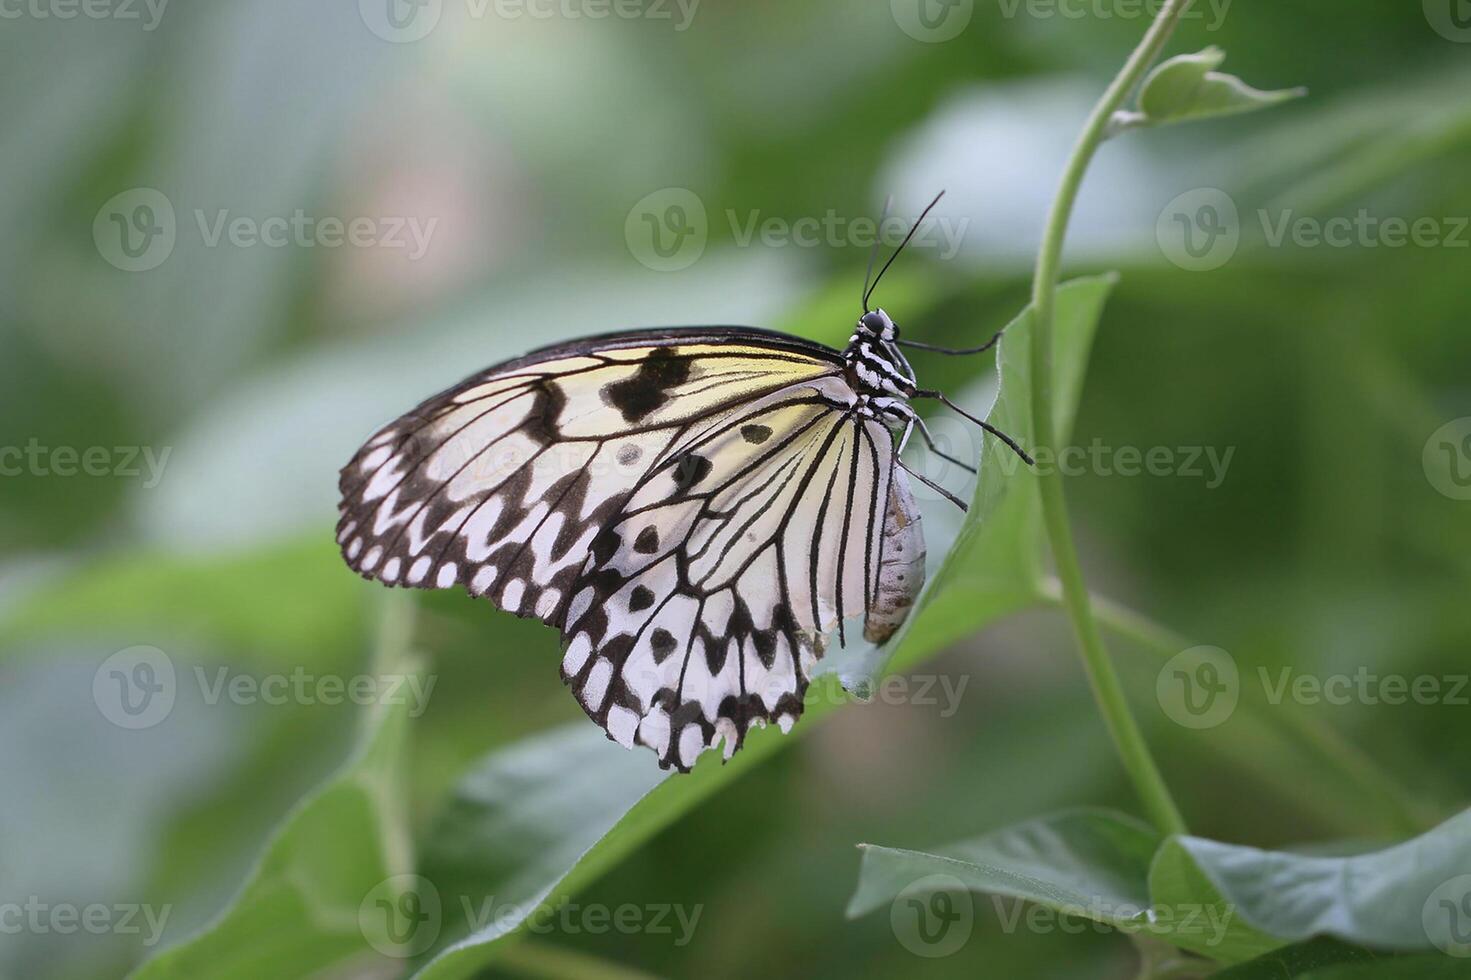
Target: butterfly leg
(924,431)
(1010,442)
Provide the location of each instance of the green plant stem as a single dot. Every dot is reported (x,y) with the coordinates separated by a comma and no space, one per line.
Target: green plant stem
(1102,677)
(1405,814)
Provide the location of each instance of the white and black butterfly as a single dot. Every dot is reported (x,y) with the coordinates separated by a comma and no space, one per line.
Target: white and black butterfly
(695,509)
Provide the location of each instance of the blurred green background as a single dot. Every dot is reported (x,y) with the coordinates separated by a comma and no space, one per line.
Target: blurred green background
(222,378)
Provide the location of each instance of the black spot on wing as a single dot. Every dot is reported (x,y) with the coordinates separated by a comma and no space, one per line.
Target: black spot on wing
(605,546)
(647,541)
(648,389)
(662,643)
(755,433)
(715,654)
(641,598)
(690,470)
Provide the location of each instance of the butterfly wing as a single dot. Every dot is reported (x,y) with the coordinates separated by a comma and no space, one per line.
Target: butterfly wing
(706,600)
(695,509)
(500,483)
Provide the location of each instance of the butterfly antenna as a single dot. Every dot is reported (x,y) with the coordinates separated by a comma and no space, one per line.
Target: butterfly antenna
(868,290)
(874,251)
(921,345)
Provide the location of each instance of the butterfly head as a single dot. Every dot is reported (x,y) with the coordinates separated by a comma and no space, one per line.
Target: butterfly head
(877,325)
(874,364)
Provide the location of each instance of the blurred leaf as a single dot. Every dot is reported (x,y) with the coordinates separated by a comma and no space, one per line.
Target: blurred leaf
(1175,881)
(271,603)
(611,824)
(1088,863)
(1187,87)
(301,908)
(519,828)
(1297,960)
(1435,967)
(1385,899)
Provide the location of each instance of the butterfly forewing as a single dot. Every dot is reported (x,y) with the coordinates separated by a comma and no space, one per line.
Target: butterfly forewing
(499,483)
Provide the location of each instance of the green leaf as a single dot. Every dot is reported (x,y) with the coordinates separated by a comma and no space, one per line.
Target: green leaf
(995,567)
(1411,896)
(1187,87)
(1089,863)
(304,907)
(1395,968)
(1297,960)
(1176,881)
(585,802)
(274,603)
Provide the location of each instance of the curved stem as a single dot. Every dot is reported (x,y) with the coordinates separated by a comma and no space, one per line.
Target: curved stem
(1107,690)
(1403,813)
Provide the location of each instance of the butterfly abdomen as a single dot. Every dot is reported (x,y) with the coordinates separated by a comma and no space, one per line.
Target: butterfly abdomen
(901,565)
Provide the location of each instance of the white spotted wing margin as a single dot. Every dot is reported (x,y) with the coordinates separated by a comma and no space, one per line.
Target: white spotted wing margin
(695,509)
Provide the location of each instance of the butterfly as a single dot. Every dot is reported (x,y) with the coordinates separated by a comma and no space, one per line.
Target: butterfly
(696,510)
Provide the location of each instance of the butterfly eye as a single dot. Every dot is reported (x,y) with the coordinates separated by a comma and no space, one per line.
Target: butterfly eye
(877,323)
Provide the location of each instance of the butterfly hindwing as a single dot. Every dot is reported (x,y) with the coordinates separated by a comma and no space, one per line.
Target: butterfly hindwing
(706,601)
